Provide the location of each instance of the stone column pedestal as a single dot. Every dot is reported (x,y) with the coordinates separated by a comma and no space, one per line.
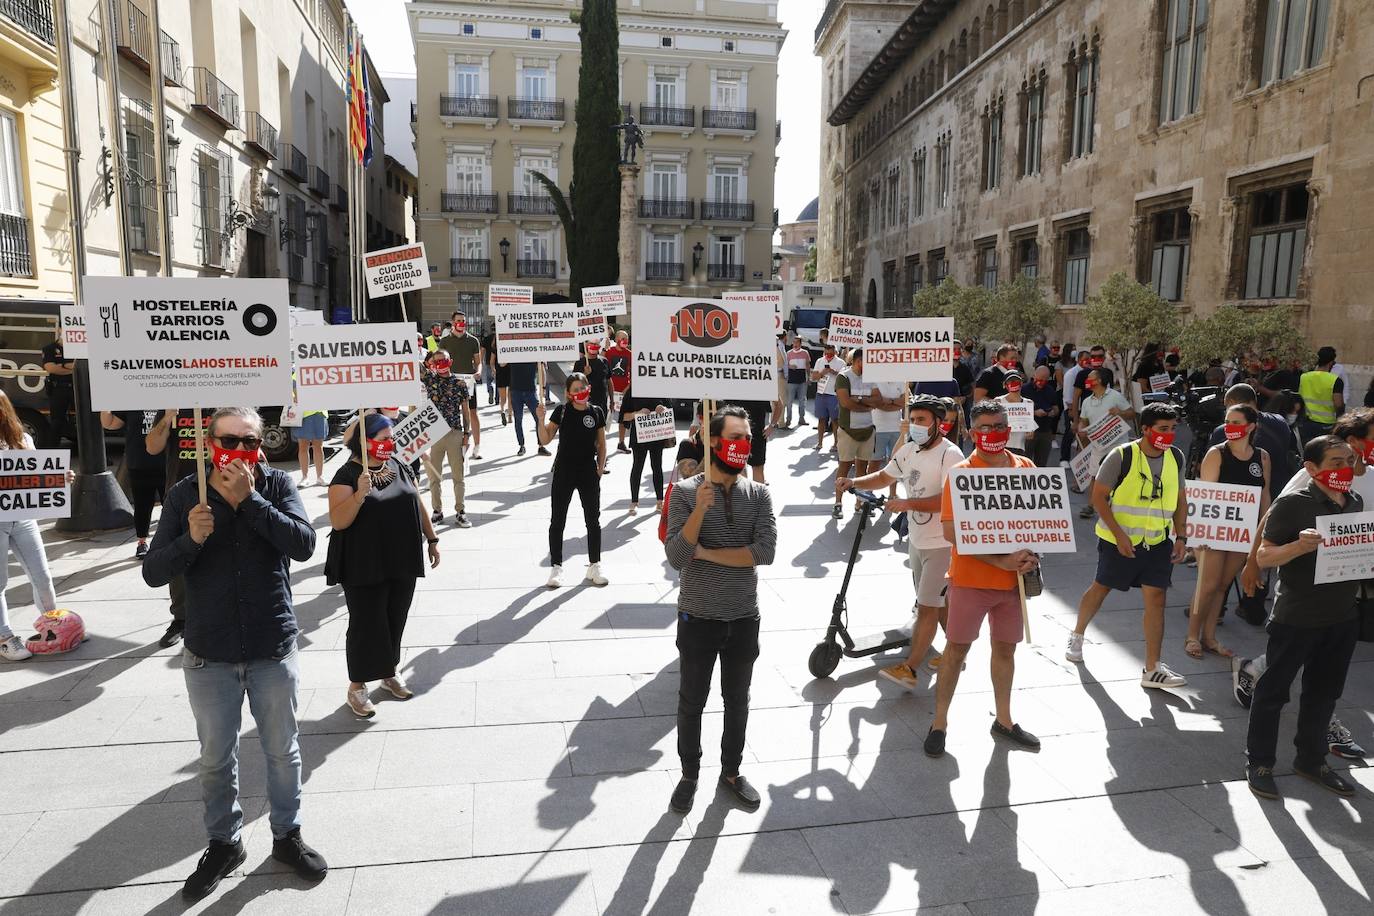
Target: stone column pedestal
(629,227)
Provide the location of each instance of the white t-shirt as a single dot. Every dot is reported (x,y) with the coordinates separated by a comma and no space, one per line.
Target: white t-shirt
(1094,408)
(1017,440)
(888,421)
(1070,376)
(922,473)
(826,383)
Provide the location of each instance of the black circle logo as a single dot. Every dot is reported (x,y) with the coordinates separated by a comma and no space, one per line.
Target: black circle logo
(259,320)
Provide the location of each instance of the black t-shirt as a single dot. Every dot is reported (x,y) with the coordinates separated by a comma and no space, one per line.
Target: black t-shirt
(52,353)
(137,425)
(963,376)
(597,371)
(577,436)
(1282,380)
(1299,601)
(992,380)
(1148,367)
(386,539)
(690,449)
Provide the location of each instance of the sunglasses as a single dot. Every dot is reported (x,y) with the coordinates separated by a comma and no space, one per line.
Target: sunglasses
(1156,490)
(246,443)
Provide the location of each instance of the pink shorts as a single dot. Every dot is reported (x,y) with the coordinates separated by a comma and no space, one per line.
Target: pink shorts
(968,607)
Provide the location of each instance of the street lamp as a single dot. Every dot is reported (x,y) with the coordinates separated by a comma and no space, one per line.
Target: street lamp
(777,263)
(697,249)
(505,251)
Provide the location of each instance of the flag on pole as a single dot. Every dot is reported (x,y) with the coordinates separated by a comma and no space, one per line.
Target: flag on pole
(359,103)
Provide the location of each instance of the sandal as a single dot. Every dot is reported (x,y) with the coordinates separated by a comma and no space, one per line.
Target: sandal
(1216,648)
(1193,648)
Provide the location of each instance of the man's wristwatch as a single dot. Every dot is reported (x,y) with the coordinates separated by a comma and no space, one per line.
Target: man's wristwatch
(432,541)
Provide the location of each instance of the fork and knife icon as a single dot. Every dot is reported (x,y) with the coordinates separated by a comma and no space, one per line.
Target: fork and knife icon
(109,313)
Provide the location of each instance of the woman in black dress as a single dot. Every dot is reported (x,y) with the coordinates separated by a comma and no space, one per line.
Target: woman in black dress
(631,407)
(375,551)
(581,460)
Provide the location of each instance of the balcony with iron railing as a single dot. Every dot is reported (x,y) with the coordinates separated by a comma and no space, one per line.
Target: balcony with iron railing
(212,96)
(320,183)
(467,202)
(530,205)
(735,211)
(16,250)
(725,273)
(667,116)
(340,201)
(740,119)
(293,162)
(33,16)
(477,107)
(663,271)
(536,268)
(259,134)
(665,208)
(131,34)
(518,109)
(469,267)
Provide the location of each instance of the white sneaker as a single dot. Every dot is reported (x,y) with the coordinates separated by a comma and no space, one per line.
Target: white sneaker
(12,650)
(397,688)
(555,577)
(1074,652)
(1161,677)
(476,455)
(594,575)
(358,702)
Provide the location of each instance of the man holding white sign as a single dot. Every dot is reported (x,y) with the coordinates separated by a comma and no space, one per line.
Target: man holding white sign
(1313,626)
(448,394)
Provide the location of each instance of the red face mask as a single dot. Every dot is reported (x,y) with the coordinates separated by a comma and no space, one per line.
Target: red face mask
(593,350)
(1008,364)
(1090,383)
(222,456)
(1040,383)
(946,427)
(581,397)
(734,452)
(460,327)
(442,366)
(1236,431)
(1096,362)
(380,449)
(1339,479)
(1367,450)
(992,442)
(1160,441)
(1013,387)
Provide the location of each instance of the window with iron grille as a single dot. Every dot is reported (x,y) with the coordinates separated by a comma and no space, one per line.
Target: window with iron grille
(16,258)
(1026,251)
(939,266)
(1276,242)
(1183,58)
(1077,246)
(987,264)
(214,188)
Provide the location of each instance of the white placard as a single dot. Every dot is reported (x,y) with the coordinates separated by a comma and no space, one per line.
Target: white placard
(396,270)
(537,333)
(908,349)
(1000,510)
(764,297)
(1347,548)
(846,330)
(591,322)
(301,318)
(1160,381)
(504,296)
(72,320)
(1020,416)
(1222,516)
(610,299)
(1084,466)
(655,427)
(33,484)
(700,348)
(1107,433)
(418,432)
(167,342)
(339,366)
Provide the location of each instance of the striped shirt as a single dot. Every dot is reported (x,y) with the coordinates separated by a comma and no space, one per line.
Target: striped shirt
(741,518)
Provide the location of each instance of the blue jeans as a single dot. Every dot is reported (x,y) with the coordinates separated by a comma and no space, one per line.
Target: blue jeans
(796,394)
(23,538)
(521,400)
(216,691)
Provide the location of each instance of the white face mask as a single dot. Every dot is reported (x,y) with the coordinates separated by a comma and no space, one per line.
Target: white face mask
(918,434)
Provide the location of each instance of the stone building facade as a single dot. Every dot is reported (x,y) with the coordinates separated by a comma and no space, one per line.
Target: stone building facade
(1220,155)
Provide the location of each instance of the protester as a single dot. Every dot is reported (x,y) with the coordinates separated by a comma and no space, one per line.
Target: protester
(58,384)
(488,341)
(447,392)
(1313,626)
(598,372)
(1012,383)
(524,395)
(1101,400)
(1272,434)
(1046,400)
(982,586)
(1042,352)
(174,436)
(889,403)
(310,436)
(854,433)
(1238,462)
(1070,388)
(921,463)
(466,353)
(375,553)
(620,360)
(719,531)
(992,382)
(501,372)
(797,362)
(22,537)
(234,552)
(827,407)
(760,431)
(1097,359)
(631,407)
(1323,391)
(147,473)
(581,460)
(955,387)
(1140,499)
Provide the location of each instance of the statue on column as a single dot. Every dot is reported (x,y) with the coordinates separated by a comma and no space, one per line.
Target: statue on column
(632,140)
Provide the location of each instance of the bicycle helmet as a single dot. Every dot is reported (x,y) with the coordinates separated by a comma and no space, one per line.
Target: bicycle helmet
(937,406)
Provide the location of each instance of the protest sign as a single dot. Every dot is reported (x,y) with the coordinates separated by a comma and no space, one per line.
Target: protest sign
(700,348)
(1020,416)
(342,366)
(766,297)
(1347,547)
(1160,381)
(306,318)
(187,341)
(537,333)
(72,320)
(396,270)
(591,322)
(1084,466)
(33,484)
(999,510)
(1107,433)
(418,432)
(1221,516)
(908,349)
(610,299)
(655,427)
(503,296)
(846,330)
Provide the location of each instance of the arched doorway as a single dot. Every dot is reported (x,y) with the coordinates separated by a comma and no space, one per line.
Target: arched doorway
(871,303)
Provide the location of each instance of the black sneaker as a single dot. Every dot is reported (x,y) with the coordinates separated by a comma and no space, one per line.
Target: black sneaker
(520,451)
(141,550)
(1242,683)
(436,516)
(1015,733)
(1341,743)
(293,851)
(1327,779)
(545,452)
(173,636)
(740,788)
(1261,780)
(215,864)
(623,448)
(683,795)
(935,743)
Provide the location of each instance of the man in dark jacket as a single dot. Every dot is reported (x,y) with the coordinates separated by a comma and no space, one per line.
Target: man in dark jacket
(234,552)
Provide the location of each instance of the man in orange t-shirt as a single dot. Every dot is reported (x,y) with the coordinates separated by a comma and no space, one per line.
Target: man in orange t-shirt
(982,586)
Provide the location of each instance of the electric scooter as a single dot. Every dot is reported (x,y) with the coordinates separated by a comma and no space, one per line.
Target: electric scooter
(827,654)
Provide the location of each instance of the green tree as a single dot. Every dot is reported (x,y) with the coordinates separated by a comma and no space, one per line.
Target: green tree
(1275,333)
(1020,312)
(809,270)
(1234,332)
(1125,316)
(971,307)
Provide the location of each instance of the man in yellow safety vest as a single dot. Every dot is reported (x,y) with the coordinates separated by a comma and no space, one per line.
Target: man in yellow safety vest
(1323,394)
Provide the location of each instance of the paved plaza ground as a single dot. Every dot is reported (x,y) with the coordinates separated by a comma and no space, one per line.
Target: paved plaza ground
(531,772)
